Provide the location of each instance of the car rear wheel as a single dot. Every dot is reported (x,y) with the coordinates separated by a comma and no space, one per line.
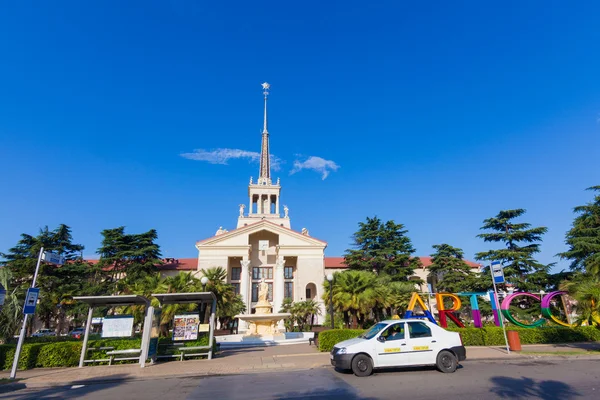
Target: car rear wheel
(446,362)
(362,365)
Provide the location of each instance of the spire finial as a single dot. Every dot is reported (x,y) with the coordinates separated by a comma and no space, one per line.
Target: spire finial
(265,164)
(266,88)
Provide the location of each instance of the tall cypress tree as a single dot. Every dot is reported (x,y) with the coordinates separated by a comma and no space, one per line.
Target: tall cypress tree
(583,238)
(383,248)
(521,242)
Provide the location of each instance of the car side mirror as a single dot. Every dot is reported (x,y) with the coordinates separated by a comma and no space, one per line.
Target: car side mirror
(381,339)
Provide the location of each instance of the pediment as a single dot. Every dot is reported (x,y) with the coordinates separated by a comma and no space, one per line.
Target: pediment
(239,237)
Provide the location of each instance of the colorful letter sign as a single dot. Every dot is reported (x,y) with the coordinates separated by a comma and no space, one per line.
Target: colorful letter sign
(443,312)
(411,307)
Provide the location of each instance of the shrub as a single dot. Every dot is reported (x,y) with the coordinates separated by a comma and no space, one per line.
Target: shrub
(67,353)
(327,339)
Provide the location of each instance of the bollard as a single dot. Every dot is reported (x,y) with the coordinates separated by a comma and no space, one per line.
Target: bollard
(514,343)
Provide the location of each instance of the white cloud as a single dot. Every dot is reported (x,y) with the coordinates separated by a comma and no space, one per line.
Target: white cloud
(222,156)
(322,166)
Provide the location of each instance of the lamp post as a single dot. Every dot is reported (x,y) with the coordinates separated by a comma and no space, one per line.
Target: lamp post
(330,279)
(203,281)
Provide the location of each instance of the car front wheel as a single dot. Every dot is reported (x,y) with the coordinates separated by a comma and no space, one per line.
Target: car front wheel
(446,362)
(362,365)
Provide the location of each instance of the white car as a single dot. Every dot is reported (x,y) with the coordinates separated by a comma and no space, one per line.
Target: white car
(400,343)
(44,332)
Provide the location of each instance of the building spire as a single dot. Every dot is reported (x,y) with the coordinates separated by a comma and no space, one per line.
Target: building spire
(264,176)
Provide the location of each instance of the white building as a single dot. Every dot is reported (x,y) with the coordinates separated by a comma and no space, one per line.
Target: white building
(264,246)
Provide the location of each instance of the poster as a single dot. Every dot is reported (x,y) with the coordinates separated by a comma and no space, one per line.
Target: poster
(117,326)
(185,327)
(154,333)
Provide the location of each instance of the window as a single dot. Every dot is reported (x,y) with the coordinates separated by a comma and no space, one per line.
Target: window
(394,332)
(255,292)
(236,288)
(262,272)
(308,293)
(236,272)
(418,330)
(288,272)
(288,290)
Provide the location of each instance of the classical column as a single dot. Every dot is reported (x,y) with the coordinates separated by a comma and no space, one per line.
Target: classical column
(250,206)
(277,206)
(244,281)
(279,287)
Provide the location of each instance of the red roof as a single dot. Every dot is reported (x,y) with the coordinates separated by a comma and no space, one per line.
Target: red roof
(338,262)
(170,264)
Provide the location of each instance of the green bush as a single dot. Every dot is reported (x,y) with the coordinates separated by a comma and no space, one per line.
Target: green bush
(67,353)
(487,336)
(327,339)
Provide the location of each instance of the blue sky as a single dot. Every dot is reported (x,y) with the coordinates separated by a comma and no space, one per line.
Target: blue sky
(438,114)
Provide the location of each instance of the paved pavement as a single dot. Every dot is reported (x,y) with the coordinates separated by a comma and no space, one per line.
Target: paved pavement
(254,360)
(515,379)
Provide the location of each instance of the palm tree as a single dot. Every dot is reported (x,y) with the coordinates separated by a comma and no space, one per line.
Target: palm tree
(353,294)
(585,289)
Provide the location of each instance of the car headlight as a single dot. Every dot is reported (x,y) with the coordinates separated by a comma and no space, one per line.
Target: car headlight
(342,350)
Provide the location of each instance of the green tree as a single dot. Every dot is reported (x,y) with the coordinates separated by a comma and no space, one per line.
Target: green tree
(382,248)
(129,256)
(353,294)
(521,243)
(10,313)
(57,283)
(583,238)
(449,271)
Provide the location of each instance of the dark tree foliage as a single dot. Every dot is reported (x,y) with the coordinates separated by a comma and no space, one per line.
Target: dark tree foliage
(383,248)
(583,238)
(449,271)
(521,242)
(133,256)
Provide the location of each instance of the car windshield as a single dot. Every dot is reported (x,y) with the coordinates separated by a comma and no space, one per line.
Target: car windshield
(375,329)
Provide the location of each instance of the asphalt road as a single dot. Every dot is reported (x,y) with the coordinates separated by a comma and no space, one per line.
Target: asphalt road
(475,380)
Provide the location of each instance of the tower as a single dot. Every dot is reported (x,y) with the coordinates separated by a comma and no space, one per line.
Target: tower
(264,195)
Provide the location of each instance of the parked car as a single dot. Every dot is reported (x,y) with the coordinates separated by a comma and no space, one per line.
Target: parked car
(400,343)
(44,332)
(77,333)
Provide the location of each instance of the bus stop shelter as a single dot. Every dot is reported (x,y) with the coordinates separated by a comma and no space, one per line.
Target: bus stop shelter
(113,301)
(200,298)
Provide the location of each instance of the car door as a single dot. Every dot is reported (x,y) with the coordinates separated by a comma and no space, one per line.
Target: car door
(421,344)
(391,346)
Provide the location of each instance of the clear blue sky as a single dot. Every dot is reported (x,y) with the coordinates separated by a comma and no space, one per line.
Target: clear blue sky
(438,114)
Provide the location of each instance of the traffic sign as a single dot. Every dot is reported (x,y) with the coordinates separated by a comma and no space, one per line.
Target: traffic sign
(497,272)
(31,300)
(53,258)
(2,295)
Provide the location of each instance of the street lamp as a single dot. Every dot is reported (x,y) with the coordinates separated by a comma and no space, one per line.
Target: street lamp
(204,281)
(330,279)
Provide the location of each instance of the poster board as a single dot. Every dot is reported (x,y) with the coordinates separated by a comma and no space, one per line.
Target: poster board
(117,326)
(154,333)
(185,327)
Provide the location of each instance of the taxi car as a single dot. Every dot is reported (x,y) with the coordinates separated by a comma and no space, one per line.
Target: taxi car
(400,343)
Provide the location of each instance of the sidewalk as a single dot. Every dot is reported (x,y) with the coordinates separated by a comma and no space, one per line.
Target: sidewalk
(257,360)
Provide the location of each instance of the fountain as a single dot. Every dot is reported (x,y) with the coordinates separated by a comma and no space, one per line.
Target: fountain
(264,321)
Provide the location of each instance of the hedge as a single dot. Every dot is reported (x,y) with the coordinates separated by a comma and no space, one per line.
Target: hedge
(488,336)
(328,338)
(66,353)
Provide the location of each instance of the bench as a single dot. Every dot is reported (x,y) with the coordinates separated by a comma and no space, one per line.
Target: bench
(100,359)
(170,347)
(113,355)
(184,351)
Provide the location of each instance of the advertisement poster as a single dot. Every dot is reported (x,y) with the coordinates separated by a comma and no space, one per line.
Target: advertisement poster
(185,327)
(154,333)
(117,326)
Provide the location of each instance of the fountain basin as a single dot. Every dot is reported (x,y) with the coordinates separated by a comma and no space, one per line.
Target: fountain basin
(262,324)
